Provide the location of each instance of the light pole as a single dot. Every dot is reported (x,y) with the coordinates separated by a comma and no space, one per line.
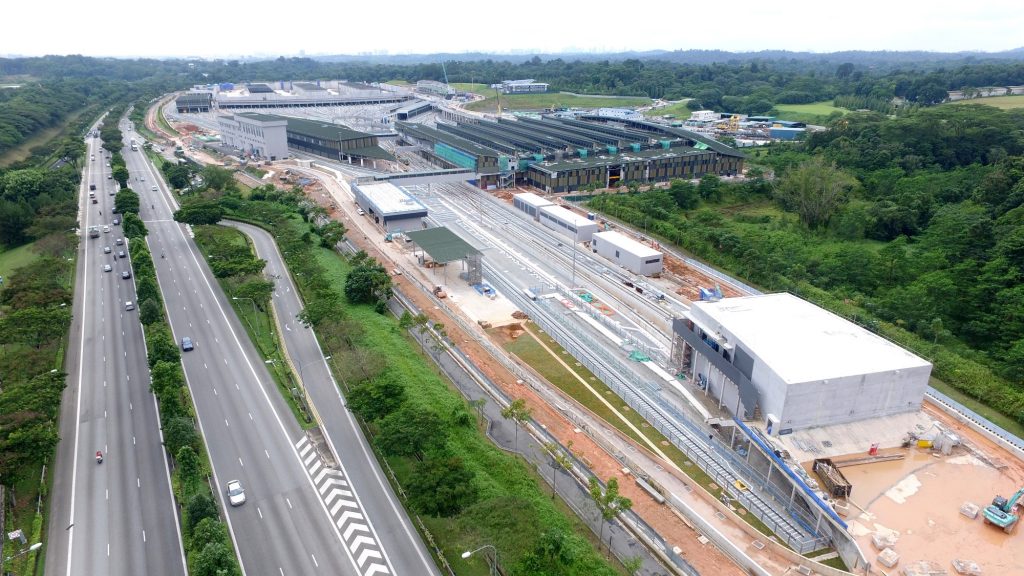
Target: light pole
(254,313)
(575,241)
(304,364)
(31,548)
(494,565)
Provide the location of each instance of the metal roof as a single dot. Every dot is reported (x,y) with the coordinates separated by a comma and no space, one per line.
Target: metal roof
(442,244)
(610,159)
(261,117)
(324,130)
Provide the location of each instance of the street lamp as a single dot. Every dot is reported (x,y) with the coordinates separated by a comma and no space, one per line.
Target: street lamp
(494,565)
(254,313)
(304,364)
(31,548)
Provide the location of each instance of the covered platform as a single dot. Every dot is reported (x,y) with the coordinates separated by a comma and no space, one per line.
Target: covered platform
(442,246)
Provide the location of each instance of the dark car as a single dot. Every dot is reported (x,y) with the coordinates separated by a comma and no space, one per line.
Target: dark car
(117,221)
(126,274)
(186,344)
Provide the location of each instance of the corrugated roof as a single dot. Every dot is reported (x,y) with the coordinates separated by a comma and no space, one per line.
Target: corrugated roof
(324,130)
(442,244)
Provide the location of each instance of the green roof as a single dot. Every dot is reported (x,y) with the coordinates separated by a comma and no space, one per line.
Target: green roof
(442,244)
(375,152)
(324,130)
(260,117)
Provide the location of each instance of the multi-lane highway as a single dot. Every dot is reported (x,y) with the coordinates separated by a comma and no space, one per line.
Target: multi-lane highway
(117,517)
(369,495)
(299,517)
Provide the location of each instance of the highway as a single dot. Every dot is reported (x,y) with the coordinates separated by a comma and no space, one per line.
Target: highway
(285,527)
(117,517)
(371,496)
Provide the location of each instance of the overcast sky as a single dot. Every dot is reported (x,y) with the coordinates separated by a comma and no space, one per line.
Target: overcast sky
(218,28)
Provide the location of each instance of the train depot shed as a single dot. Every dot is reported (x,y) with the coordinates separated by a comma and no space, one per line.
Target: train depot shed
(390,207)
(575,226)
(530,203)
(441,246)
(624,251)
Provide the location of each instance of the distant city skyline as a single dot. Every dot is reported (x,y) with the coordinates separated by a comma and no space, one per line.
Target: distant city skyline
(317,28)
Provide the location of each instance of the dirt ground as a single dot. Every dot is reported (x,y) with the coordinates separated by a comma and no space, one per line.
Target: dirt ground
(919,498)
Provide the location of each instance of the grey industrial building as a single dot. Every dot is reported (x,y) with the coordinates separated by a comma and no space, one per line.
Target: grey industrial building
(564,221)
(390,207)
(626,252)
(194,102)
(525,86)
(334,141)
(530,203)
(781,361)
(562,154)
(261,135)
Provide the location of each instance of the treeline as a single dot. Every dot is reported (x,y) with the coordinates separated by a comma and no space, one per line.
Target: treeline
(914,226)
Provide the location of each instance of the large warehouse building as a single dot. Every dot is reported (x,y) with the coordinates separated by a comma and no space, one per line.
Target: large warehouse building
(262,135)
(562,154)
(334,141)
(390,207)
(793,365)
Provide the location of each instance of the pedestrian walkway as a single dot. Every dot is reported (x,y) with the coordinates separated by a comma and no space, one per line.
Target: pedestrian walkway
(345,511)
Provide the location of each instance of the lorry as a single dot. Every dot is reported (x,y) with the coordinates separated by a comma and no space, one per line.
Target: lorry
(94,231)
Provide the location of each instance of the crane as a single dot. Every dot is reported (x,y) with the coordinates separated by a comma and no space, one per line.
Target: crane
(1003,512)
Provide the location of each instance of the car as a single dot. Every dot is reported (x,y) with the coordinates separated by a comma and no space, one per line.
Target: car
(129,305)
(92,157)
(186,344)
(236,494)
(142,178)
(106,249)
(92,186)
(121,254)
(106,229)
(155,189)
(107,268)
(119,241)
(360,211)
(110,176)
(117,221)
(125,274)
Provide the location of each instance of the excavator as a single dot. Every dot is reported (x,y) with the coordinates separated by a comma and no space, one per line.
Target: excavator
(1004,513)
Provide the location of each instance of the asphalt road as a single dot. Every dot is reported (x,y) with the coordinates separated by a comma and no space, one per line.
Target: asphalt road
(117,517)
(285,527)
(385,522)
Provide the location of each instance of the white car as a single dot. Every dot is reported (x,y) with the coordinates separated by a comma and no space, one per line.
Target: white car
(107,268)
(106,229)
(236,495)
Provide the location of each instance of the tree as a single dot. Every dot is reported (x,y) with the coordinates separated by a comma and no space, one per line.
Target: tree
(149,312)
(120,173)
(199,212)
(259,291)
(710,187)
(411,431)
(814,190)
(331,233)
(559,461)
(685,194)
(217,178)
(72,150)
(133,226)
(179,433)
(518,412)
(162,348)
(377,398)
(34,326)
(608,501)
(199,507)
(126,202)
(214,559)
(442,487)
(166,375)
(190,469)
(368,282)
(209,531)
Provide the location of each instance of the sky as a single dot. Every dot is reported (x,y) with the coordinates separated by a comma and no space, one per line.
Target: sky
(217,28)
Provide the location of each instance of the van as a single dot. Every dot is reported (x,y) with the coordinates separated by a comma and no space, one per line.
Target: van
(129,305)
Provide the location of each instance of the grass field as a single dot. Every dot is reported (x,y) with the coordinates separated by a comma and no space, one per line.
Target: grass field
(815,113)
(16,258)
(1004,102)
(677,109)
(543,101)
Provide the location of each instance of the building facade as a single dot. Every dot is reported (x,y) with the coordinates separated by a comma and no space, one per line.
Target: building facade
(626,252)
(390,207)
(261,135)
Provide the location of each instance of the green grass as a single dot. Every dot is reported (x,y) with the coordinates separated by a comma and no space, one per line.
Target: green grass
(677,109)
(398,83)
(548,100)
(163,121)
(1003,102)
(814,113)
(996,417)
(16,258)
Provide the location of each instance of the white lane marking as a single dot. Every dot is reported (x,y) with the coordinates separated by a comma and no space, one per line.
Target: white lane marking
(133,441)
(107,493)
(368,553)
(251,418)
(236,386)
(215,392)
(267,453)
(205,367)
(260,512)
(315,563)
(130,407)
(143,535)
(226,423)
(138,482)
(289,503)
(240,463)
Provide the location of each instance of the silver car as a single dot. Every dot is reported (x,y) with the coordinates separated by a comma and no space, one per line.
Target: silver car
(236,494)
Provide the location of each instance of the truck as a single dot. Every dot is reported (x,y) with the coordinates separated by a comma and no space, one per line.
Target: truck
(94,231)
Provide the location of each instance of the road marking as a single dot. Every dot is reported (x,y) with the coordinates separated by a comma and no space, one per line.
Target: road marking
(107,493)
(133,441)
(289,502)
(240,463)
(344,509)
(315,563)
(138,482)
(251,418)
(260,512)
(226,424)
(205,367)
(143,535)
(215,392)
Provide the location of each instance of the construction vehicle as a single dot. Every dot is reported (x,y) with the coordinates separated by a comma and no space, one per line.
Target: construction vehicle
(1005,513)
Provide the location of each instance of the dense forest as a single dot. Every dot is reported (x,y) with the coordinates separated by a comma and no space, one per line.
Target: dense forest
(915,222)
